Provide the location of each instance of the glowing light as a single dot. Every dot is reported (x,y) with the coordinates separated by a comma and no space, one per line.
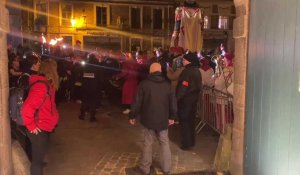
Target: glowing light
(53,42)
(82,63)
(73,22)
(59,39)
(64,46)
(43,39)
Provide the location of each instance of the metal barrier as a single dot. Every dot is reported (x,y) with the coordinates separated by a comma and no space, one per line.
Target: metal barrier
(215,109)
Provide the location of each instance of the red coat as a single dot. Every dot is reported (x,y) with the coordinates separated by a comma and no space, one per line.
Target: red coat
(48,114)
(130,73)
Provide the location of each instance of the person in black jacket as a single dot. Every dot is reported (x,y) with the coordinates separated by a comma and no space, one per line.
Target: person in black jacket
(155,105)
(90,87)
(187,93)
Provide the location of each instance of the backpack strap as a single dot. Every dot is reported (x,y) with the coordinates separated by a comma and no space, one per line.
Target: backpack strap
(47,95)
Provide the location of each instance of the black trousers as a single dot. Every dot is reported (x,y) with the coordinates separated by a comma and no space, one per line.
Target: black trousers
(187,115)
(39,144)
(89,104)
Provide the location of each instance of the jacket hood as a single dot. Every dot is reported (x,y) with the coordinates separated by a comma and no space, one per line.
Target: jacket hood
(156,77)
(34,78)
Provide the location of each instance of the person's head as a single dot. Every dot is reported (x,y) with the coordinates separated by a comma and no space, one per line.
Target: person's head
(158,52)
(33,61)
(155,67)
(92,59)
(15,62)
(228,59)
(48,69)
(190,58)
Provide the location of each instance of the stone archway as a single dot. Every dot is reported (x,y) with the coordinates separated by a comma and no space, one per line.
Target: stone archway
(5,137)
(240,34)
(241,44)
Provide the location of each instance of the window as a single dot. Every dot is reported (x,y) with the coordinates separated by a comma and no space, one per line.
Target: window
(233,9)
(41,17)
(135,18)
(68,40)
(157,43)
(101,16)
(223,22)
(66,14)
(215,9)
(157,19)
(214,22)
(135,44)
(206,22)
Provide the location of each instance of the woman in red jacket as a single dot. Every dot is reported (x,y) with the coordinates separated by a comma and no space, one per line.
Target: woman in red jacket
(41,98)
(130,76)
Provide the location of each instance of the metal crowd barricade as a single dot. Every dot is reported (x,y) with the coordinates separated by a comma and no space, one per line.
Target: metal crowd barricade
(215,109)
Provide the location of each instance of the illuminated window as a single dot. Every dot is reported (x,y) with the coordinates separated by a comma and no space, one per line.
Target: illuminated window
(66,14)
(223,22)
(206,22)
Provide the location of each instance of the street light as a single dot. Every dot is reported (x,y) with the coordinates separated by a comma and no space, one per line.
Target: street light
(73,22)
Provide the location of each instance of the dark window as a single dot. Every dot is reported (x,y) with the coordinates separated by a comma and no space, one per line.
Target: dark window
(101,14)
(157,19)
(232,9)
(68,40)
(215,9)
(135,44)
(135,18)
(214,22)
(41,18)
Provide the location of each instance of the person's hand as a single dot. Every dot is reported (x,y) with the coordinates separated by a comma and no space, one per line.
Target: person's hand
(35,131)
(132,121)
(171,122)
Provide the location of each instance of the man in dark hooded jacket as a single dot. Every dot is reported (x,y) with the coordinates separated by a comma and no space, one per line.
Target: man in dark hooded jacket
(155,106)
(187,93)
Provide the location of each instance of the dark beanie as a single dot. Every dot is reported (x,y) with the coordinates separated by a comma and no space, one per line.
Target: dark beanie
(191,57)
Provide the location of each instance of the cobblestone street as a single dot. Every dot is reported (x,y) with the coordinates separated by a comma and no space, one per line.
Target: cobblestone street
(110,145)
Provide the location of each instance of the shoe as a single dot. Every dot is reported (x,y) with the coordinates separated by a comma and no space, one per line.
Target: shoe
(135,171)
(81,117)
(185,148)
(126,111)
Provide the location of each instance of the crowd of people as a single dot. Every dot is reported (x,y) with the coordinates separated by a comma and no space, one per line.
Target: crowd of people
(157,88)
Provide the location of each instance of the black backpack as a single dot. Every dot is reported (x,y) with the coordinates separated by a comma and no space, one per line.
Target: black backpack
(17,96)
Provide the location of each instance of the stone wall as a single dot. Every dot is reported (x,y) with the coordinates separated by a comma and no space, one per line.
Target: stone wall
(240,34)
(5,137)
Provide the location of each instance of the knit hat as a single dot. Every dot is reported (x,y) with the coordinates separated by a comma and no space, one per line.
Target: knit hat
(191,57)
(155,67)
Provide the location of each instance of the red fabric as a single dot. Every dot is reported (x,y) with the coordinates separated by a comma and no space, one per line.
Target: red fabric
(129,73)
(185,83)
(204,64)
(176,50)
(229,59)
(46,120)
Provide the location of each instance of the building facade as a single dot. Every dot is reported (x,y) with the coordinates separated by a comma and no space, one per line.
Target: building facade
(122,25)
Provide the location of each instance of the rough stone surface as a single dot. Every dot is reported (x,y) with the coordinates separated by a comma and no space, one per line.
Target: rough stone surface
(111,144)
(20,161)
(5,141)
(222,158)
(240,33)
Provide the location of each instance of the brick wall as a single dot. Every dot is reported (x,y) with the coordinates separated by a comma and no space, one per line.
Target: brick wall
(240,34)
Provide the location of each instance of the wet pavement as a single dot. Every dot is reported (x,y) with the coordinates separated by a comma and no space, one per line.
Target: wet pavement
(111,144)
